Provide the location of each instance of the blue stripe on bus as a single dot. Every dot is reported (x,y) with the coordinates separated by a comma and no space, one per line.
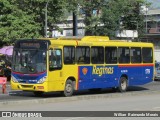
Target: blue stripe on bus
(28,78)
(108,76)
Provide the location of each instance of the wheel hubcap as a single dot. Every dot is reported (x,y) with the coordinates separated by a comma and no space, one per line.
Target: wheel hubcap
(68,87)
(123,85)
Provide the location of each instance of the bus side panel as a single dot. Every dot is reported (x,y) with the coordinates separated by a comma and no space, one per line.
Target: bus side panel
(57,78)
(108,76)
(97,77)
(137,74)
(111,76)
(134,73)
(55,81)
(84,77)
(148,74)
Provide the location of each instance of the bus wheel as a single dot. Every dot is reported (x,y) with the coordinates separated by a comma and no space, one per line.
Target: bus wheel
(123,84)
(69,88)
(38,93)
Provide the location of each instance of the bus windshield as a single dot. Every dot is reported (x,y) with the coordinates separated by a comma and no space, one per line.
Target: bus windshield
(29,61)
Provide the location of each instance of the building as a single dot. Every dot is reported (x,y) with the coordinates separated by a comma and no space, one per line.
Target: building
(67,27)
(153,27)
(152,20)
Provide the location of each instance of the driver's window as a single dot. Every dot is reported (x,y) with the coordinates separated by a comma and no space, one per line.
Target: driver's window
(55,59)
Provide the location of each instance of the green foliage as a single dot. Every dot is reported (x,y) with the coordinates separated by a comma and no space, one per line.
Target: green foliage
(15,23)
(91,9)
(26,18)
(111,15)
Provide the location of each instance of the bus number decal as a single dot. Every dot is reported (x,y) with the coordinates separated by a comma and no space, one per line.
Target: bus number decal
(124,71)
(147,71)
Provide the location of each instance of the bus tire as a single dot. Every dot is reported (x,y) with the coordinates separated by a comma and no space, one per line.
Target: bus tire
(38,93)
(69,88)
(123,84)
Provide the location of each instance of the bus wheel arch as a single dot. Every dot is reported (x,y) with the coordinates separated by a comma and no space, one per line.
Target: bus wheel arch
(123,83)
(69,87)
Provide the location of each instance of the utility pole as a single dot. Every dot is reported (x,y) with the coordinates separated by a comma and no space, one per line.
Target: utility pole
(74,24)
(146,20)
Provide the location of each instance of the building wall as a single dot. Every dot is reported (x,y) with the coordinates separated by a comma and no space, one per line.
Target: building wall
(157,55)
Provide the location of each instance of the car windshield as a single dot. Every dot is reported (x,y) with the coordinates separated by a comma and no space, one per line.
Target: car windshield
(29,61)
(157,65)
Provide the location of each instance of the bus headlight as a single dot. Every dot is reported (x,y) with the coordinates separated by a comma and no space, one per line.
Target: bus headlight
(42,80)
(14,79)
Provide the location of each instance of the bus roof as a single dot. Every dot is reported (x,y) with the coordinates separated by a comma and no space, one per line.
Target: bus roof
(94,41)
(86,38)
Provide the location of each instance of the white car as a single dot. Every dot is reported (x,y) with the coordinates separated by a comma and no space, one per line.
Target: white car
(157,71)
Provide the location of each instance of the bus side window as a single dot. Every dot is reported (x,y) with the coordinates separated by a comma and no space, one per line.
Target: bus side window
(69,54)
(135,55)
(81,59)
(55,59)
(123,54)
(147,54)
(82,55)
(97,55)
(111,55)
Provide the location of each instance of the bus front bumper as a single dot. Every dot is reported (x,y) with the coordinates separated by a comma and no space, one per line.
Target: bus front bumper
(29,87)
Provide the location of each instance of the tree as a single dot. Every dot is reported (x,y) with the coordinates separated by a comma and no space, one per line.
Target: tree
(26,18)
(91,10)
(15,23)
(109,15)
(55,12)
(122,15)
(134,19)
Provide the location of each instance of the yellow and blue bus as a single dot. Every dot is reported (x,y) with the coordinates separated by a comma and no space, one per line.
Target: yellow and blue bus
(78,63)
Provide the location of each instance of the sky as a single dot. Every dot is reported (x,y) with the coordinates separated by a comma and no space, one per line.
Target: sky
(155,3)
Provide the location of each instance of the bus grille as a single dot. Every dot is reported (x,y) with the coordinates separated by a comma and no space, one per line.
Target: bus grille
(27,86)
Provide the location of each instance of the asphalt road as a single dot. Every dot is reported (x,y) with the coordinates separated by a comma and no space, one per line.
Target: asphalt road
(141,98)
(21,95)
(117,102)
